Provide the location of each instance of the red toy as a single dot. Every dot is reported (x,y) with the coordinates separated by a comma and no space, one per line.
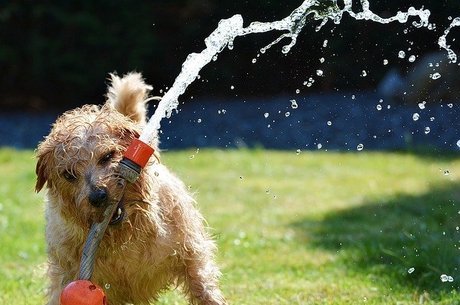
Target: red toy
(83,292)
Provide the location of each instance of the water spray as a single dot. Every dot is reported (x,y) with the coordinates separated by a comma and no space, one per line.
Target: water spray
(231,28)
(83,291)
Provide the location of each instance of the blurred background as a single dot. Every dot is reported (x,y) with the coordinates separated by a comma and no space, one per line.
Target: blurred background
(357,82)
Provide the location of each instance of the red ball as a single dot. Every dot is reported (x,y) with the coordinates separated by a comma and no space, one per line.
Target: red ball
(83,292)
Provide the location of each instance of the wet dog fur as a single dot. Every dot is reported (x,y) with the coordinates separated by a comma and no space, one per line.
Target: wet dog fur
(157,238)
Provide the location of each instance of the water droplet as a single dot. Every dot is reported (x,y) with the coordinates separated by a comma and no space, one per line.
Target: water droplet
(385,62)
(353,96)
(363,73)
(319,72)
(286,49)
(321,60)
(156,174)
(297,91)
(214,58)
(422,105)
(432,119)
(241,177)
(329,123)
(107,286)
(266,114)
(319,146)
(325,43)
(415,116)
(446,172)
(192,157)
(412,58)
(427,130)
(411,270)
(450,105)
(254,60)
(446,278)
(198,121)
(294,104)
(458,143)
(287,114)
(232,87)
(401,54)
(435,75)
(379,107)
(297,152)
(24,255)
(360,147)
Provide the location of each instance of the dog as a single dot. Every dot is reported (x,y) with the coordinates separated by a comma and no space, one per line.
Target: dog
(156,239)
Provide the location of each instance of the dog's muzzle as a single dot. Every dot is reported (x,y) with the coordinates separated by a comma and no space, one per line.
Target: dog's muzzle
(98,196)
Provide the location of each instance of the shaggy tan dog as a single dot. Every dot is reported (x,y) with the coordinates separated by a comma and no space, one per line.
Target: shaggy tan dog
(156,238)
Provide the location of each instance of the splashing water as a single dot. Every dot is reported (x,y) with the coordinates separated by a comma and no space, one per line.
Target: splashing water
(442,41)
(228,29)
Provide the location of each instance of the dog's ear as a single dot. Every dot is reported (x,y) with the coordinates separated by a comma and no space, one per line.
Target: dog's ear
(42,169)
(129,95)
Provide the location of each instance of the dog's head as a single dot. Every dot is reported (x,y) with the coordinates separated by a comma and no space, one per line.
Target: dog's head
(78,160)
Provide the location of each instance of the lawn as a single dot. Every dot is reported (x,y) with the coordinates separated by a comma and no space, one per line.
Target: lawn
(309,228)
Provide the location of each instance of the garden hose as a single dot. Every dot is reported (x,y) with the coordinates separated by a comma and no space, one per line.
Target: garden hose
(83,291)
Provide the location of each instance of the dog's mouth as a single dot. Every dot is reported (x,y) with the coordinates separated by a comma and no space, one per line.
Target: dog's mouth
(119,213)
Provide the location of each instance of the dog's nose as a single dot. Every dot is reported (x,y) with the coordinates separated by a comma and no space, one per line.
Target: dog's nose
(98,196)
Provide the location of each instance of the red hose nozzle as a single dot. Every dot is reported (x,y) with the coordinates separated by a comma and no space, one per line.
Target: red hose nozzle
(137,155)
(139,152)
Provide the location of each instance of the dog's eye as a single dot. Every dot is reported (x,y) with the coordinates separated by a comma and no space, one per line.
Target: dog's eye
(106,158)
(69,176)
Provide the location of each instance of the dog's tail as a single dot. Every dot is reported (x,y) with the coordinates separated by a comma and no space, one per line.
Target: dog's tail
(129,95)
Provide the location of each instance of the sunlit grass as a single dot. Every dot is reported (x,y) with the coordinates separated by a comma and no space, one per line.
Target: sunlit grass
(313,228)
(22,248)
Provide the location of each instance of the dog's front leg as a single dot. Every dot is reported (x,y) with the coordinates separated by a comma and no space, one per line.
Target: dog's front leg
(202,281)
(56,284)
(59,277)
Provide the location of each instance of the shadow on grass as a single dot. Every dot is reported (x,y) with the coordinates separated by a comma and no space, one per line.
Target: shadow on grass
(431,153)
(408,240)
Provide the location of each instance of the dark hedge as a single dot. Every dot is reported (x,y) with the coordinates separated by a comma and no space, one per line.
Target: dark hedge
(57,54)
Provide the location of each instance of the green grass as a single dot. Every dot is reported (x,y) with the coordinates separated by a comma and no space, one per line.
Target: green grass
(314,228)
